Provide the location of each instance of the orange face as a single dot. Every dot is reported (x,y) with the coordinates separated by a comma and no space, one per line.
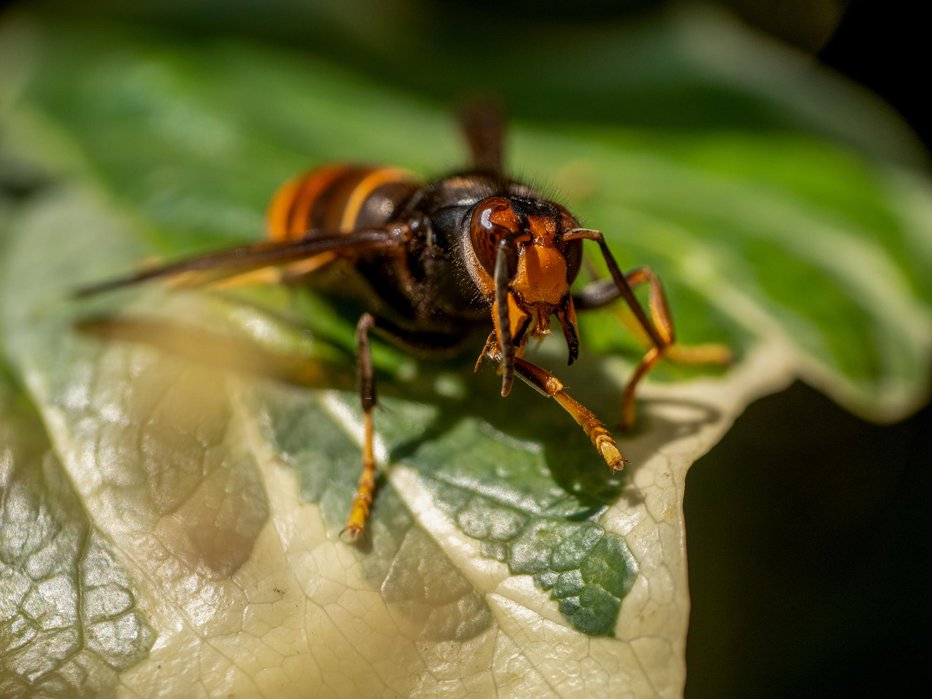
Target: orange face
(544,266)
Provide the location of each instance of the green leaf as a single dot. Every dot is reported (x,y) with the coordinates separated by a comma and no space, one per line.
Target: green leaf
(212,443)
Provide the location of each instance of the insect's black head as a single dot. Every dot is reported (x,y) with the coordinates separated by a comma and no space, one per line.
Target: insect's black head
(527,234)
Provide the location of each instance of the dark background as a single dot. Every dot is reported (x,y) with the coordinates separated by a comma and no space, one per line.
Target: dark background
(809,551)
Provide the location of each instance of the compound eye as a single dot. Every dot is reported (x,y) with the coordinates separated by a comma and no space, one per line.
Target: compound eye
(493,219)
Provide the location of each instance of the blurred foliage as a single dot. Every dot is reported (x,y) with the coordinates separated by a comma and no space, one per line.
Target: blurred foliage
(676,66)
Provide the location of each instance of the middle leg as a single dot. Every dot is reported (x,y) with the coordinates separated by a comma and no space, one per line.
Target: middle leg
(362,501)
(601,293)
(365,487)
(658,329)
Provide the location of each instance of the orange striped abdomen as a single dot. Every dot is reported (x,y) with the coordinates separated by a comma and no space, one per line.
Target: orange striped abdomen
(338,199)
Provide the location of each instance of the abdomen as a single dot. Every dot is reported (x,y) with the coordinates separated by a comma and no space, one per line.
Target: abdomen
(338,199)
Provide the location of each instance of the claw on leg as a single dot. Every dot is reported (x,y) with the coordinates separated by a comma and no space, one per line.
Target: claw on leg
(362,502)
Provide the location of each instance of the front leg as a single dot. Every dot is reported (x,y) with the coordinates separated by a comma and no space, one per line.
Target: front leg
(549,385)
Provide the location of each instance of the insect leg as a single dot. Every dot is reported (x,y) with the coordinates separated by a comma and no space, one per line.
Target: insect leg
(549,385)
(505,263)
(659,328)
(362,502)
(603,292)
(600,293)
(436,341)
(661,322)
(597,294)
(506,266)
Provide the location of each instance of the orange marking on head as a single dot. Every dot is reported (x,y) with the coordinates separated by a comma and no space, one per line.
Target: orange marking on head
(503,214)
(541,276)
(543,229)
(518,319)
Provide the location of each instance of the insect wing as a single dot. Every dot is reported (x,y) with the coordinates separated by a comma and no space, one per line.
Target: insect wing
(246,258)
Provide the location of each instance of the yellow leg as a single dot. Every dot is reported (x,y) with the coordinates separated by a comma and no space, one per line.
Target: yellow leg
(706,353)
(549,385)
(365,487)
(656,329)
(362,502)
